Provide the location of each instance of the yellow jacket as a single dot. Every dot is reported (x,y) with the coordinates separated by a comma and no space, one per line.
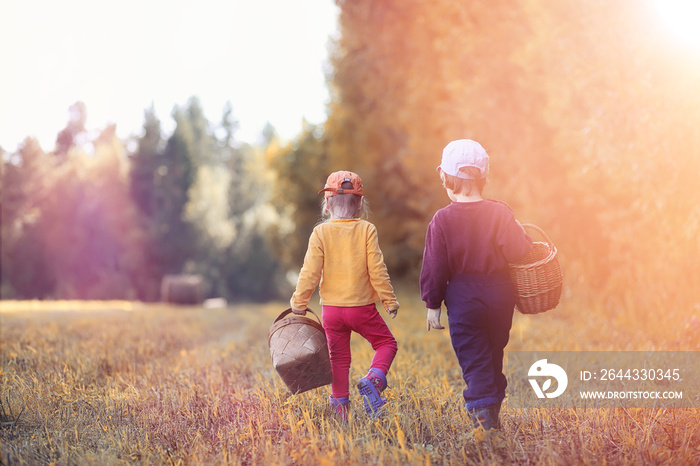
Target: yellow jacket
(344,256)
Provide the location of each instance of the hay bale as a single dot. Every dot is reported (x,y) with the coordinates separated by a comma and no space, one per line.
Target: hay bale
(215,303)
(182,289)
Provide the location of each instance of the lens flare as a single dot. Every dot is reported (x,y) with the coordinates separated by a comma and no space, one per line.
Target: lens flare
(682,17)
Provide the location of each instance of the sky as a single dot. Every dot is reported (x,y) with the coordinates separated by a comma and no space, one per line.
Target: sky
(266,57)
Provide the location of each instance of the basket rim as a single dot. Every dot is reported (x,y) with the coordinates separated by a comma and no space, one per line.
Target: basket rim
(539,230)
(527,265)
(285,319)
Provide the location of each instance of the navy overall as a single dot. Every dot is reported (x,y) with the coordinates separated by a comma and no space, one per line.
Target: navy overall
(480,314)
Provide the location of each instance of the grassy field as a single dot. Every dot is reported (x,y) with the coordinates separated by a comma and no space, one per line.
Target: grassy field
(129,383)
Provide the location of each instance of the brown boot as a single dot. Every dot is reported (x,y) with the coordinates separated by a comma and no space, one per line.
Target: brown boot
(486,417)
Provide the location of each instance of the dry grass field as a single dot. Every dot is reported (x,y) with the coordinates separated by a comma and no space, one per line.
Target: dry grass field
(129,383)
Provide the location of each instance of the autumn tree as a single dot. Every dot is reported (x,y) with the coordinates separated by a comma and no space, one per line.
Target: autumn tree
(25,273)
(88,223)
(589,115)
(69,227)
(299,171)
(408,78)
(630,101)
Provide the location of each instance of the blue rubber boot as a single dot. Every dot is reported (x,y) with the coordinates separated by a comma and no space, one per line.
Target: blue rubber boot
(371,387)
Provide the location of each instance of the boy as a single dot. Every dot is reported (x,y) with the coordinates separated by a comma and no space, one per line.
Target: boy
(468,246)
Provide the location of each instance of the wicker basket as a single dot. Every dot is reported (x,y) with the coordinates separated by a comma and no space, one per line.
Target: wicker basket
(299,351)
(537,277)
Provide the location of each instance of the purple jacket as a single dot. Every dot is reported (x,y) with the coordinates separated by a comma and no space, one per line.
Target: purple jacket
(469,238)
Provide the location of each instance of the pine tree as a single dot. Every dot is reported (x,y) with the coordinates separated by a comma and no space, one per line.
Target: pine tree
(145,163)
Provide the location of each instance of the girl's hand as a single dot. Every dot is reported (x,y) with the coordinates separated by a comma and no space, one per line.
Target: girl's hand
(393,312)
(300,312)
(433,320)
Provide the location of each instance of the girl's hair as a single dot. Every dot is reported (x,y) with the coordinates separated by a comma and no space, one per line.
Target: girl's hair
(466,187)
(344,206)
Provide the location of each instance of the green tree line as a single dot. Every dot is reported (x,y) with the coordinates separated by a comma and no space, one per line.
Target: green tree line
(589,110)
(93,220)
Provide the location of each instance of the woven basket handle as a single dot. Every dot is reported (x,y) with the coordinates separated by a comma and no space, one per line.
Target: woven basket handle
(539,230)
(289,311)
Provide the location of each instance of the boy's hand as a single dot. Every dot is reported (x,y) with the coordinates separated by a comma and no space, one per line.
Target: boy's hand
(433,320)
(393,312)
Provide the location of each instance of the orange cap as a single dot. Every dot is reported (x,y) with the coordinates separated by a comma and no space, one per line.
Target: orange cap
(334,184)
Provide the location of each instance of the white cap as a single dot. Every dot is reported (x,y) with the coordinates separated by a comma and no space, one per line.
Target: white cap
(464,153)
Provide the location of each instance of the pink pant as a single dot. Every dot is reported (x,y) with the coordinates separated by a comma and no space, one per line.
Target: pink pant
(339,323)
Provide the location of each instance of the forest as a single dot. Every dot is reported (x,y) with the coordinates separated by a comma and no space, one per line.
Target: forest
(589,111)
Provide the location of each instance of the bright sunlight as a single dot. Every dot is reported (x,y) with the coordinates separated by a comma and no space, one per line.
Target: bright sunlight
(682,16)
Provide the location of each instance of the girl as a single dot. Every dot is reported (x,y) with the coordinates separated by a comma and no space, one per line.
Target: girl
(468,246)
(344,256)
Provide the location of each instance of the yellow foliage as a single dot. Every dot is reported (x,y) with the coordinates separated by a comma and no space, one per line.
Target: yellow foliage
(589,115)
